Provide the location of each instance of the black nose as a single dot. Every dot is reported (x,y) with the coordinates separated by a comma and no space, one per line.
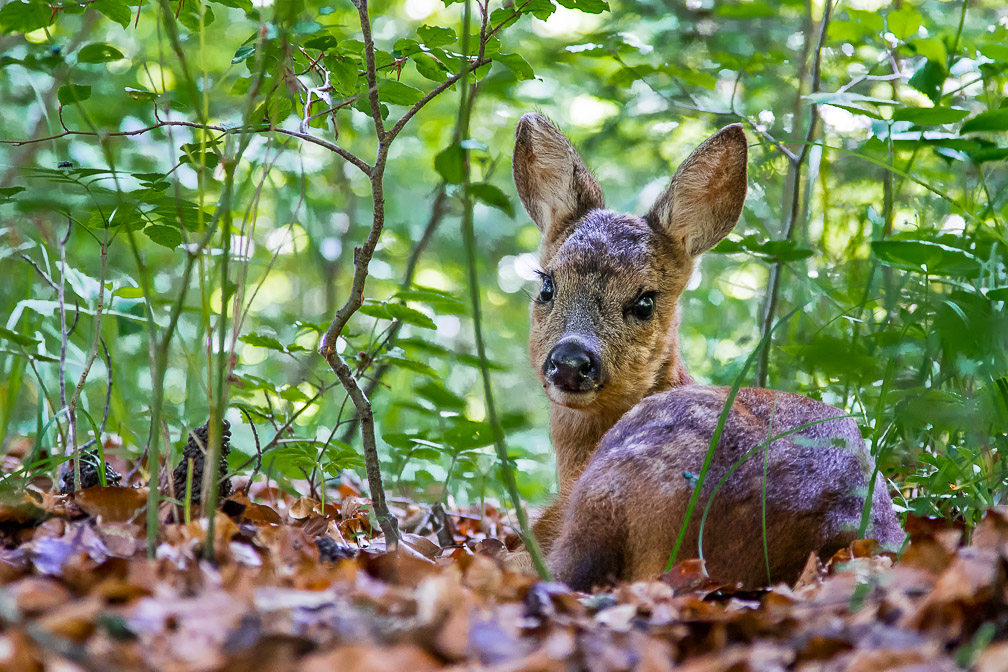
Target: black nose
(572,367)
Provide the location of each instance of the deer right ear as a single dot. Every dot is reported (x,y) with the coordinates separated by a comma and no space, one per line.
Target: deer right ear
(707,193)
(553,182)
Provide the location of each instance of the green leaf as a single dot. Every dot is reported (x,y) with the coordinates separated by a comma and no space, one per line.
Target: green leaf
(929,116)
(586,6)
(904,22)
(15,337)
(401,362)
(140,94)
(7,193)
(929,79)
(243,52)
(503,16)
(407,315)
(98,53)
(773,250)
(262,341)
(430,67)
(162,234)
(931,48)
(375,309)
(237,4)
(436,36)
(449,163)
(921,255)
(998,294)
(518,65)
(68,94)
(441,302)
(24,17)
(992,120)
(541,9)
(439,396)
(996,51)
(117,10)
(396,93)
(492,196)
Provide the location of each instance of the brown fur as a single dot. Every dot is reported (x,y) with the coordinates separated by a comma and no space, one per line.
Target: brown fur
(622,491)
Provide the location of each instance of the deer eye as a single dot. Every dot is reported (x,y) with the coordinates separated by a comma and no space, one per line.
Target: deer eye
(546,290)
(643,308)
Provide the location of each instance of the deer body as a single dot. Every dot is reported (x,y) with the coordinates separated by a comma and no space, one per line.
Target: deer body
(627,422)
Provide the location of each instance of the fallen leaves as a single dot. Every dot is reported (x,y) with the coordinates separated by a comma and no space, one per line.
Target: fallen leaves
(288,591)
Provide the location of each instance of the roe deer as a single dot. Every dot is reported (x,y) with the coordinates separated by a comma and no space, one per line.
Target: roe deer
(627,422)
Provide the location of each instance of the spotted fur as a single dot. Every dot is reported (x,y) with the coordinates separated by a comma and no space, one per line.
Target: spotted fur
(624,446)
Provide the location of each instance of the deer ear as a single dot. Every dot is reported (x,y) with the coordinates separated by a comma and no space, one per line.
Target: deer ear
(705,198)
(553,182)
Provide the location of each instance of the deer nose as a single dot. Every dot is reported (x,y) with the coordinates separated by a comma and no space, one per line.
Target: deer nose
(572,367)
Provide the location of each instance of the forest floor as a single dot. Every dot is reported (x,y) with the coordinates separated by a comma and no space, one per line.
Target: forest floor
(77,592)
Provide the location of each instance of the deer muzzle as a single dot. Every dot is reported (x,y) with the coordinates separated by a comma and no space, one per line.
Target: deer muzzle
(572,366)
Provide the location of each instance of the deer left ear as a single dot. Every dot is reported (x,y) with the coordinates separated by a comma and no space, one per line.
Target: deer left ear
(553,181)
(704,201)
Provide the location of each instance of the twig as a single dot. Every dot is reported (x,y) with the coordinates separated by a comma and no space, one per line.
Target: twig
(97,335)
(773,283)
(166,123)
(258,466)
(71,447)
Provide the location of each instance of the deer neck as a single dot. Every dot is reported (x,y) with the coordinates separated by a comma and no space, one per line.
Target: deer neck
(576,432)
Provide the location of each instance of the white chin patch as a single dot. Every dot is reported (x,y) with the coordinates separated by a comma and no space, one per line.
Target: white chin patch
(570,399)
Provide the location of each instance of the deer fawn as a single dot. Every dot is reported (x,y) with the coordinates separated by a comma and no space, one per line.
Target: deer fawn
(628,424)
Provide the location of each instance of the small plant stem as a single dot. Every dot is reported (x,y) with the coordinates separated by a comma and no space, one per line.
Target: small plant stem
(468,236)
(716,437)
(773,283)
(188,490)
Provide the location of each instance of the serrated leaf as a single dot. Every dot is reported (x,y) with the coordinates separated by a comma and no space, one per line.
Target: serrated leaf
(396,93)
(162,234)
(405,47)
(929,116)
(68,94)
(98,53)
(436,36)
(492,196)
(262,341)
(518,65)
(430,67)
(992,120)
(541,9)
